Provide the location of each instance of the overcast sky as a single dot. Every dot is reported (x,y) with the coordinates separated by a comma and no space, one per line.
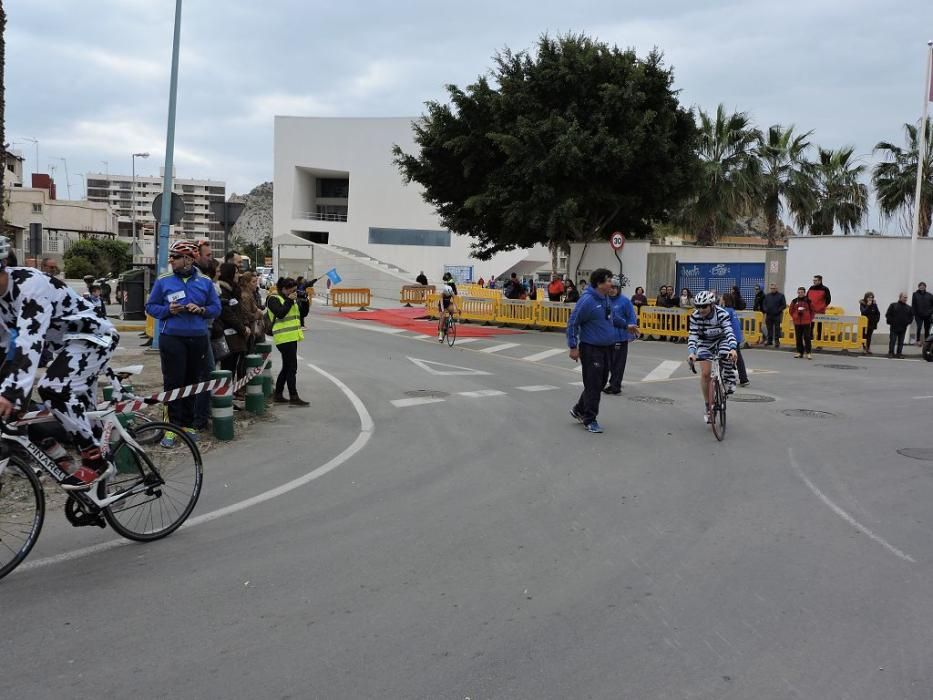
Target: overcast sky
(89,78)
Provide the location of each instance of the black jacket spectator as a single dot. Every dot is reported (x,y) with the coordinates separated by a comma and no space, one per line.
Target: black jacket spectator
(758,303)
(421,279)
(922,304)
(899,316)
(773,304)
(872,313)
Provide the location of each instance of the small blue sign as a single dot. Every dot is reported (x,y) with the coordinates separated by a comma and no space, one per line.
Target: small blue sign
(333,276)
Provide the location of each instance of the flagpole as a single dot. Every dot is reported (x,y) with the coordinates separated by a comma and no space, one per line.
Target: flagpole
(921,157)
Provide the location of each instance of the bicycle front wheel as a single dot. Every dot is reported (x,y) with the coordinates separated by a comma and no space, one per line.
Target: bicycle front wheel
(718,409)
(165,484)
(22,512)
(451,332)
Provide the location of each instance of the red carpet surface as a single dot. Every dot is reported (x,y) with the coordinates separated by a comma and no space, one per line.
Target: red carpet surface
(408,319)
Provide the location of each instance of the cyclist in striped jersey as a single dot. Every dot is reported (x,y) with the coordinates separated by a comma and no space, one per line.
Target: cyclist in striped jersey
(711,336)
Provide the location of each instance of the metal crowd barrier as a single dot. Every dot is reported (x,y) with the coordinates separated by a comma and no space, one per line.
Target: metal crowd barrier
(415,294)
(343,298)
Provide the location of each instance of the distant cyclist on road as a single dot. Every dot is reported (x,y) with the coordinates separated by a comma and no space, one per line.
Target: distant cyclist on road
(446,306)
(711,337)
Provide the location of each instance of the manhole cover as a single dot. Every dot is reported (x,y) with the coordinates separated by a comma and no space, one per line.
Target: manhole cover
(651,399)
(751,398)
(427,394)
(806,413)
(843,367)
(924,453)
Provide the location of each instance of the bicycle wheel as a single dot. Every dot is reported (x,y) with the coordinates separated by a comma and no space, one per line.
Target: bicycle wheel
(22,511)
(148,437)
(718,412)
(167,484)
(451,331)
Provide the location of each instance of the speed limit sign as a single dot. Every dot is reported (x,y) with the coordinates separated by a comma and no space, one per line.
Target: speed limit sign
(617,240)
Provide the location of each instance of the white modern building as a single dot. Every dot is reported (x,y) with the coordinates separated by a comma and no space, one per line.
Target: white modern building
(199,220)
(340,201)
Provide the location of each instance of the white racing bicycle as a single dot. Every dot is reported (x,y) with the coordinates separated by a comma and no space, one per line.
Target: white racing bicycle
(150,494)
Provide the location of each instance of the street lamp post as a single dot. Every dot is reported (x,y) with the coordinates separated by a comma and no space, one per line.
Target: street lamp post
(133,197)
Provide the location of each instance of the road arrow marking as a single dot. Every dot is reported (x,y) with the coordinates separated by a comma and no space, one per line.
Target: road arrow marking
(450,370)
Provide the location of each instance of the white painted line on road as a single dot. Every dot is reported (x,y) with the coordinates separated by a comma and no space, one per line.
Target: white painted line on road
(481,393)
(537,387)
(465,341)
(405,403)
(300,358)
(577,384)
(845,516)
(662,371)
(429,367)
(366,432)
(368,326)
(424,337)
(537,357)
(499,348)
(921,398)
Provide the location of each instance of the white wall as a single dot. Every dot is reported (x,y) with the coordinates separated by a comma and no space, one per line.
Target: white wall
(586,258)
(852,265)
(378,196)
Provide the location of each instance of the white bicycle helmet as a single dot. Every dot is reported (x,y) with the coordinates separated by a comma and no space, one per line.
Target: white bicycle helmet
(704,299)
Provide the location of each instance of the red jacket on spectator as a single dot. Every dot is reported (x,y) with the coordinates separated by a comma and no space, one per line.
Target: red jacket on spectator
(801,311)
(819,297)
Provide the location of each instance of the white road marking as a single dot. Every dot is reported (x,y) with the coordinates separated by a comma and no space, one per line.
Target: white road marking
(429,366)
(366,432)
(481,393)
(404,403)
(424,337)
(845,516)
(498,348)
(537,357)
(537,387)
(300,358)
(371,326)
(577,384)
(464,341)
(662,371)
(921,398)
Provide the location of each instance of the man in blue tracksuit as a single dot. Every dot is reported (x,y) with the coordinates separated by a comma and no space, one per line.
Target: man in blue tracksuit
(622,308)
(591,337)
(183,302)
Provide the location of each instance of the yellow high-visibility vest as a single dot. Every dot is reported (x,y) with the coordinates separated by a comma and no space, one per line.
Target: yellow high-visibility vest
(288,329)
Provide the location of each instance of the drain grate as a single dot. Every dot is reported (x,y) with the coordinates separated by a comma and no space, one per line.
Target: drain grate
(652,399)
(751,398)
(427,394)
(807,413)
(843,366)
(924,453)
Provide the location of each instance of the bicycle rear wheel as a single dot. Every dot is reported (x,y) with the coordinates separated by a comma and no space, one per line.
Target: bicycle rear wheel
(451,332)
(718,412)
(22,512)
(166,485)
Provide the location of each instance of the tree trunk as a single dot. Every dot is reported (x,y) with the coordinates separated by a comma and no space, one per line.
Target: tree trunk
(924,220)
(706,235)
(554,247)
(772,229)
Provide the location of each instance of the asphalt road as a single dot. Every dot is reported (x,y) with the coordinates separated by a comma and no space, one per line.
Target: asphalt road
(482,545)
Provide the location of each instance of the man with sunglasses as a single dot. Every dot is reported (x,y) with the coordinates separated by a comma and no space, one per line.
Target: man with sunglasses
(711,337)
(183,302)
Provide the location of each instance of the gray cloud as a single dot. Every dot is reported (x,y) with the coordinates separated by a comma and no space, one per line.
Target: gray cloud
(90,80)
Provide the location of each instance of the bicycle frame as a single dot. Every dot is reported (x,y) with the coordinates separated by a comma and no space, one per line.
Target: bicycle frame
(89,497)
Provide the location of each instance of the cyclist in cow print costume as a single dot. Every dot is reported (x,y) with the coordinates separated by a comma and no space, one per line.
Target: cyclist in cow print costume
(36,311)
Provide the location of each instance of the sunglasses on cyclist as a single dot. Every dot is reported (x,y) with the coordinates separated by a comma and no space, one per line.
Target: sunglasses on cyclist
(702,306)
(175,256)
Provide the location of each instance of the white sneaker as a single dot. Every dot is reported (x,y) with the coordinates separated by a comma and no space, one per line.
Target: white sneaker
(440,337)
(706,418)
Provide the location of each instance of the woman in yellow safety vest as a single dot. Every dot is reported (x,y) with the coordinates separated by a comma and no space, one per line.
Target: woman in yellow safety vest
(282,309)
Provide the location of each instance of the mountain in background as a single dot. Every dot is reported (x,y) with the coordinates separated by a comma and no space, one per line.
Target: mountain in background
(255,223)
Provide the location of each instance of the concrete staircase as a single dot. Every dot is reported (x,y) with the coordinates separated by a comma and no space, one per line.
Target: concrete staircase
(356,269)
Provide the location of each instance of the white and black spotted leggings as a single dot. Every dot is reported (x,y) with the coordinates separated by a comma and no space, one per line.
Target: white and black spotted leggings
(69,387)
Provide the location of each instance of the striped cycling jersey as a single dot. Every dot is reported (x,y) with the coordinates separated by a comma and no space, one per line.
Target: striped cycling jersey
(711,332)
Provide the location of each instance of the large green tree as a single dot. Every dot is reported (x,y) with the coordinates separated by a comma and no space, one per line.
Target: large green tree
(839,197)
(566,144)
(895,178)
(729,177)
(782,160)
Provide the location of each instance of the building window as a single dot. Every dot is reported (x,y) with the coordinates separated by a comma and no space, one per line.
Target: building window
(331,212)
(36,208)
(333,188)
(408,236)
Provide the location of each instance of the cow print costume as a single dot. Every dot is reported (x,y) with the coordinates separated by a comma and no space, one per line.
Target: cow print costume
(42,310)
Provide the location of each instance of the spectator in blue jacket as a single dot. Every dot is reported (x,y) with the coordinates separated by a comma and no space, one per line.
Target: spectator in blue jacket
(622,308)
(728,303)
(591,336)
(183,302)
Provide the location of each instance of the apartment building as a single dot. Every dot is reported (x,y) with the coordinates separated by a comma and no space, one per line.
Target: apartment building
(199,220)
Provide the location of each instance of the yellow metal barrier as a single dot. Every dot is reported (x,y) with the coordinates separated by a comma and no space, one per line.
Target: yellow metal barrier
(830,331)
(835,311)
(477,309)
(515,312)
(415,294)
(150,325)
(343,298)
(474,290)
(752,323)
(552,314)
(660,321)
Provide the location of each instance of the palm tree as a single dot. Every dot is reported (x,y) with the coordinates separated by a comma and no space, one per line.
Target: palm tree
(782,157)
(729,171)
(838,197)
(895,179)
